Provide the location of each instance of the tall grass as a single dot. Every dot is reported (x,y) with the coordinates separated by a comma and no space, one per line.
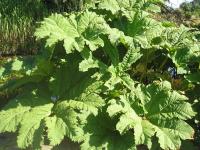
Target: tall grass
(18,21)
(17,24)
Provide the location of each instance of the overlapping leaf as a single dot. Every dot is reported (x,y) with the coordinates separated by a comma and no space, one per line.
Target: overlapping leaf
(74,31)
(154,110)
(18,113)
(95,99)
(101,134)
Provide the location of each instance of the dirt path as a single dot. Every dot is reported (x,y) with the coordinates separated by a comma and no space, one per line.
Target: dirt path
(8,142)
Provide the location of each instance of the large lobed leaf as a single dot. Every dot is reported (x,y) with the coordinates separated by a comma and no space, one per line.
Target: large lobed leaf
(101,134)
(96,101)
(154,109)
(74,31)
(25,113)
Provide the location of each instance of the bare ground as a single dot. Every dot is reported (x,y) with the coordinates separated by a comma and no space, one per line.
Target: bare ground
(8,142)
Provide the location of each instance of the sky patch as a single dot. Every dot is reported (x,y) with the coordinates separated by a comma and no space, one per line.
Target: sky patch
(176,3)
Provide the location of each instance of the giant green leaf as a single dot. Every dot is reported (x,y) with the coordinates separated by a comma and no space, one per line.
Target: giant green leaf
(56,129)
(101,134)
(154,109)
(31,122)
(74,31)
(27,113)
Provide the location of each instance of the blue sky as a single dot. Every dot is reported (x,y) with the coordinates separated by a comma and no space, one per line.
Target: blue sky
(176,3)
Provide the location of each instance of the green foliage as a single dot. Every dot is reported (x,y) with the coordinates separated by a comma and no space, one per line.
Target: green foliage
(154,110)
(106,79)
(101,134)
(192,8)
